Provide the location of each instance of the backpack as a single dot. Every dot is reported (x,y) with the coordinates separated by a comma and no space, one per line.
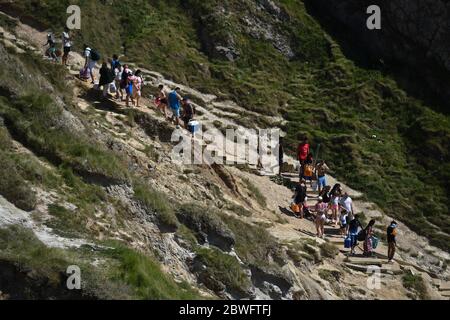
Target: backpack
(308,171)
(95,56)
(295,208)
(362,235)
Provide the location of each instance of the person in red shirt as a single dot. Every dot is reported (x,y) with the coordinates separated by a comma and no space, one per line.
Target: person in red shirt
(302,153)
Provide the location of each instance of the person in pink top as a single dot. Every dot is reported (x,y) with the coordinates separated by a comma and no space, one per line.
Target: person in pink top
(321,217)
(302,153)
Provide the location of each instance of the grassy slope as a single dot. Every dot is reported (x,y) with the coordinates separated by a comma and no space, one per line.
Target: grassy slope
(405,170)
(37,121)
(124,274)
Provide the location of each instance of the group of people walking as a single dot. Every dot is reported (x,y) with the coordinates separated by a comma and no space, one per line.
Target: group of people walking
(127,86)
(115,78)
(53,52)
(120,81)
(334,207)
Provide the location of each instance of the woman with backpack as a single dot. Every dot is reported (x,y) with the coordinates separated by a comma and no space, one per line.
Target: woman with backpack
(91,57)
(368,242)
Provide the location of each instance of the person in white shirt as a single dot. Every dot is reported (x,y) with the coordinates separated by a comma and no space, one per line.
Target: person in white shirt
(67,45)
(346,203)
(89,63)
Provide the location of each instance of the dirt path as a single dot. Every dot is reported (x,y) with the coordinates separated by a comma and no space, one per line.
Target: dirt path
(286,228)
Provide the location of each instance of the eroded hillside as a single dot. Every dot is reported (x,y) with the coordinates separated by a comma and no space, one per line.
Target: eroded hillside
(95,171)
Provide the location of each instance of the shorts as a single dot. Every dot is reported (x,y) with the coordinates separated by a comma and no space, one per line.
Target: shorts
(129,89)
(91,65)
(176,112)
(343,226)
(322,182)
(334,206)
(187,119)
(163,101)
(67,51)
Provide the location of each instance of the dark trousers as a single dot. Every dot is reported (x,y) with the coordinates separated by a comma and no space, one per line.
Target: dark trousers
(302,168)
(391,250)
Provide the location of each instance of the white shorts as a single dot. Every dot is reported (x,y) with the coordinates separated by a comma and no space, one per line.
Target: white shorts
(91,65)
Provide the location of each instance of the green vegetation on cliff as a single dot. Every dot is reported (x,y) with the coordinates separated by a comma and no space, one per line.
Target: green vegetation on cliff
(375,137)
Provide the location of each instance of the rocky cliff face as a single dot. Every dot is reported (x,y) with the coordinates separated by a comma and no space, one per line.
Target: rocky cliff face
(223,25)
(415,37)
(101,172)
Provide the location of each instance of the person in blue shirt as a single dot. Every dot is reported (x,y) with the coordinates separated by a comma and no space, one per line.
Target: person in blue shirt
(115,63)
(175,100)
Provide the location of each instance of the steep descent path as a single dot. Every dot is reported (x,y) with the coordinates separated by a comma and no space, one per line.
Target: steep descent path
(223,114)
